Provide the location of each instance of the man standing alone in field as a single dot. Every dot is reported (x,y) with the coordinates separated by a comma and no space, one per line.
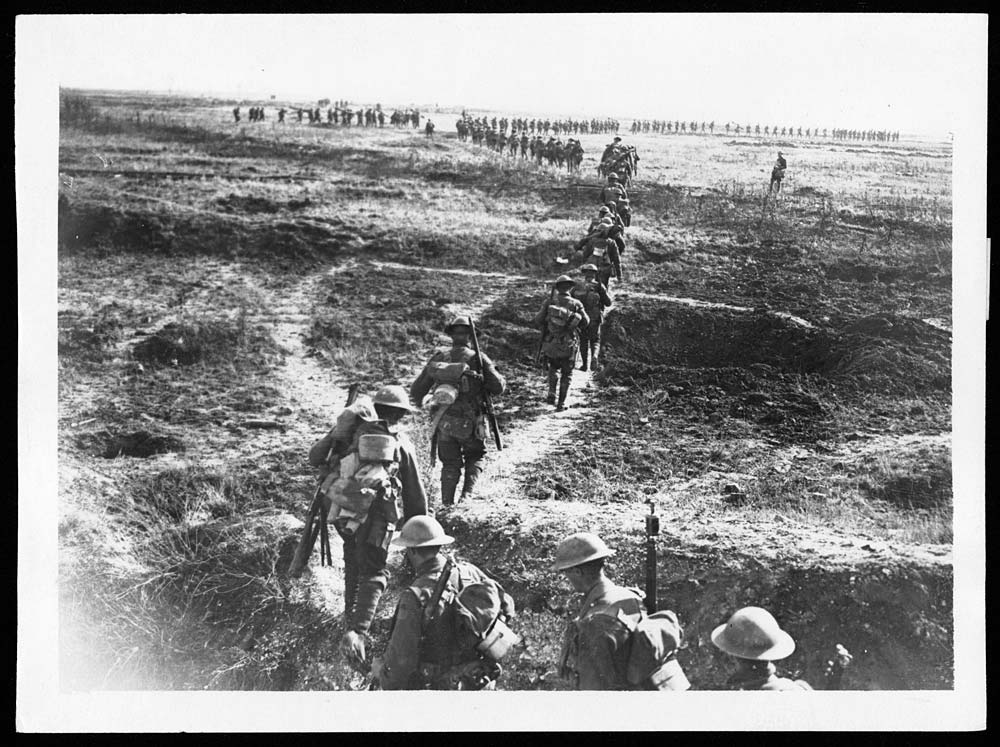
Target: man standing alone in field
(777,173)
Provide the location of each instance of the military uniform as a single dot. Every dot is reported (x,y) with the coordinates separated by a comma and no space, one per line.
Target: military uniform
(366,550)
(613,193)
(462,429)
(420,658)
(596,642)
(595,299)
(766,680)
(604,254)
(560,349)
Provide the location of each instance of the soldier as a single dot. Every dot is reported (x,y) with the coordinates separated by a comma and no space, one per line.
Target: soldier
(461,428)
(429,129)
(611,149)
(558,319)
(595,651)
(424,651)
(613,191)
(298,113)
(777,173)
(366,548)
(524,144)
(381,118)
(595,299)
(754,639)
(236,114)
(281,115)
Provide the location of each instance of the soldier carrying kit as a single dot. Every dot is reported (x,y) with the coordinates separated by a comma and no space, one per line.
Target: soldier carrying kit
(462,378)
(595,299)
(450,630)
(612,643)
(558,319)
(371,483)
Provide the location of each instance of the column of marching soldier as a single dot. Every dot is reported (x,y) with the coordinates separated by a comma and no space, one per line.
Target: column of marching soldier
(339,114)
(450,628)
(664,127)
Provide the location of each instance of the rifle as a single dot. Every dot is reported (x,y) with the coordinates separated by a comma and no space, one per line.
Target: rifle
(541,344)
(439,587)
(491,416)
(652,529)
(316,525)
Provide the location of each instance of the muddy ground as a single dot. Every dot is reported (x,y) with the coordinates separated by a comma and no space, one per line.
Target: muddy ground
(221,285)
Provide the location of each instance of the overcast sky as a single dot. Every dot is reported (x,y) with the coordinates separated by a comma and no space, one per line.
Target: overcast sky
(906,72)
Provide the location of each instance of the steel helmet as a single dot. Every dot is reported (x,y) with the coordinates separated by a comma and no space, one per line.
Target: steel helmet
(393,396)
(753,633)
(579,548)
(458,321)
(612,175)
(422,531)
(564,279)
(588,266)
(603,210)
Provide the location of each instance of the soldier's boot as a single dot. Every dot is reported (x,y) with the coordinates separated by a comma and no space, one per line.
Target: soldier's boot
(472,472)
(449,483)
(563,389)
(551,398)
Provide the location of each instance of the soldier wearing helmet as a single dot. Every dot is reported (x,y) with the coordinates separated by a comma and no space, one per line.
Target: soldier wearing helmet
(754,640)
(366,547)
(461,428)
(602,247)
(423,650)
(596,642)
(613,191)
(558,319)
(595,299)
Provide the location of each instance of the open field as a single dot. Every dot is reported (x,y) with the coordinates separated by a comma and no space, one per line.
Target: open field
(221,284)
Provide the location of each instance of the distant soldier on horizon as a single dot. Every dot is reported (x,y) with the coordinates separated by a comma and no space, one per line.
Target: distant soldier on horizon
(777,173)
(236,114)
(281,115)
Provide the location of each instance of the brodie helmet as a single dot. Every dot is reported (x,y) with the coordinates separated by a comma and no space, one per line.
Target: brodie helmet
(753,633)
(458,321)
(393,396)
(580,548)
(422,531)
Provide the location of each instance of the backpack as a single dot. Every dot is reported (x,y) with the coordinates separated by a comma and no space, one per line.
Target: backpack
(466,624)
(560,319)
(368,471)
(650,652)
(653,643)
